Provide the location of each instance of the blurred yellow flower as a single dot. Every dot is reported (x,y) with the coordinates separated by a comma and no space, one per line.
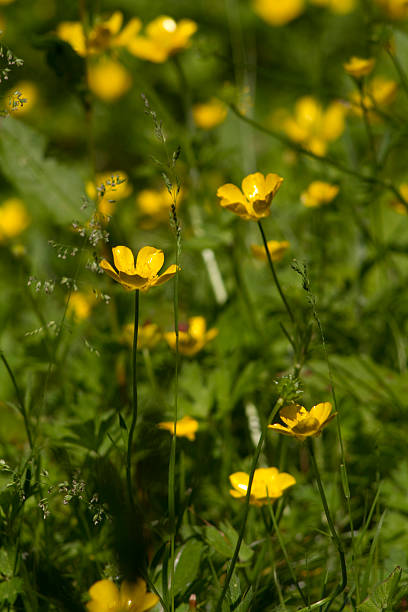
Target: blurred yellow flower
(108,79)
(192,337)
(80,305)
(254,200)
(148,335)
(163,38)
(4,2)
(106,597)
(103,35)
(276,249)
(209,114)
(380,91)
(358,66)
(268,484)
(278,12)
(319,193)
(110,187)
(314,127)
(156,203)
(342,7)
(395,9)
(13,218)
(186,427)
(29,93)
(144,274)
(300,423)
(398,206)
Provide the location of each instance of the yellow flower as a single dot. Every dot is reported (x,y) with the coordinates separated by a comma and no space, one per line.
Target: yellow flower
(155,203)
(192,337)
(278,13)
(276,250)
(80,305)
(28,91)
(104,34)
(144,274)
(398,206)
(379,92)
(108,79)
(13,219)
(300,423)
(268,484)
(110,187)
(318,193)
(255,198)
(148,335)
(186,427)
(342,7)
(358,67)
(395,9)
(106,597)
(164,37)
(313,127)
(209,114)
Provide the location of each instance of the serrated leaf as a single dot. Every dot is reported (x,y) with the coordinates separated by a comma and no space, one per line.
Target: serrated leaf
(43,182)
(187,565)
(245,553)
(382,597)
(9,589)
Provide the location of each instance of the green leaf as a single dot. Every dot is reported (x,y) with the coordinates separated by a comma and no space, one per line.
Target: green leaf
(187,565)
(6,563)
(43,182)
(381,599)
(224,542)
(9,589)
(245,553)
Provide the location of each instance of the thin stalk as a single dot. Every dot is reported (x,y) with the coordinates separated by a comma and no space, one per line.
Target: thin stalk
(330,523)
(147,358)
(275,277)
(276,407)
(19,399)
(134,404)
(268,543)
(367,124)
(285,554)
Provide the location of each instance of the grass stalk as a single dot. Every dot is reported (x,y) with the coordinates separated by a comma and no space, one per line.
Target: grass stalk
(134,403)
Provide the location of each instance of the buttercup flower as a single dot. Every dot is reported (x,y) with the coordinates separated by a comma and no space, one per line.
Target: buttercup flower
(186,427)
(110,187)
(155,203)
(29,93)
(144,274)
(106,597)
(192,337)
(300,423)
(108,79)
(276,249)
(104,34)
(255,198)
(358,67)
(314,127)
(268,484)
(319,193)
(148,335)
(278,13)
(13,219)
(80,305)
(395,9)
(209,114)
(163,38)
(379,92)
(337,6)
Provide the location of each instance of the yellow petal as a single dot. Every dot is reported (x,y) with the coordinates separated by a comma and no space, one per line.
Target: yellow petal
(231,197)
(147,49)
(124,260)
(132,593)
(114,23)
(253,187)
(281,429)
(105,265)
(108,79)
(149,261)
(133,281)
(128,33)
(72,32)
(285,480)
(321,411)
(239,480)
(150,600)
(197,327)
(308,426)
(333,121)
(105,593)
(359,67)
(278,13)
(167,275)
(272,184)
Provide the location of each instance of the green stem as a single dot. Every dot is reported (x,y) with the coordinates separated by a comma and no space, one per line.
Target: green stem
(277,406)
(285,554)
(134,404)
(366,118)
(275,277)
(19,399)
(330,523)
(147,358)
